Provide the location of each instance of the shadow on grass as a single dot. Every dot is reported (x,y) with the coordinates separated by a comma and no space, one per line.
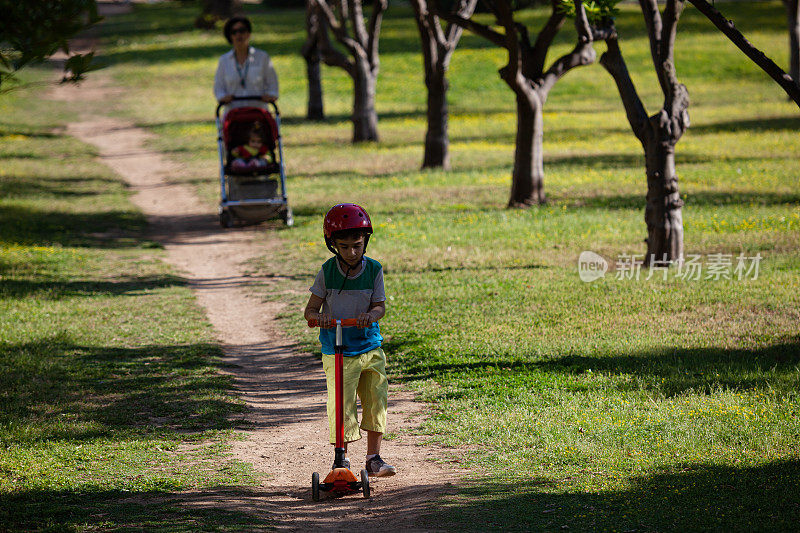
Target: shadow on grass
(788,123)
(30,186)
(29,226)
(56,289)
(27,131)
(319,210)
(705,199)
(338,119)
(678,370)
(54,510)
(692,497)
(487,270)
(56,389)
(671,371)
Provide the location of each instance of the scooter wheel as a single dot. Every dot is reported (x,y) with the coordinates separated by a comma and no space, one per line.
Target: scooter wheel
(315,486)
(365,482)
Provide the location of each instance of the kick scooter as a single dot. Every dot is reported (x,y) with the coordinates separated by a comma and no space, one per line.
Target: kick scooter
(340,480)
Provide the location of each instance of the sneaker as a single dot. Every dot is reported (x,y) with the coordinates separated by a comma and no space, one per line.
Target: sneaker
(377,467)
(345,463)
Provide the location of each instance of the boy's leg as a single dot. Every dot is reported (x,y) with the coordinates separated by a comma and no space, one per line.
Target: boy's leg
(374,442)
(373,389)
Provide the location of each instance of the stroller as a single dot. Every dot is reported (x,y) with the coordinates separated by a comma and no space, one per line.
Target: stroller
(251,195)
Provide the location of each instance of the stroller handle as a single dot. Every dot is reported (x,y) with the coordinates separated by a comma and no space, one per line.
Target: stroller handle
(252,97)
(346,323)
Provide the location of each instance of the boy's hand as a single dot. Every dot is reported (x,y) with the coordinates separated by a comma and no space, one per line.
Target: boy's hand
(325,321)
(364,320)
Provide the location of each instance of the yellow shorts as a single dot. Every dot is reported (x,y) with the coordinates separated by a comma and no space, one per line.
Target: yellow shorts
(364,375)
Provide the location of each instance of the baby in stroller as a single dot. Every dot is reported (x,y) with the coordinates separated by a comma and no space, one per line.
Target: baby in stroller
(250,157)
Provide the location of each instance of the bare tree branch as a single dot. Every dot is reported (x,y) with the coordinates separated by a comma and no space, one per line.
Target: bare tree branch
(652,19)
(465,9)
(582,54)
(330,16)
(478,29)
(436,29)
(614,63)
(665,67)
(793,24)
(312,30)
(601,34)
(344,13)
(514,72)
(334,58)
(757,56)
(582,26)
(339,27)
(357,22)
(425,24)
(330,55)
(545,39)
(378,8)
(669,19)
(524,35)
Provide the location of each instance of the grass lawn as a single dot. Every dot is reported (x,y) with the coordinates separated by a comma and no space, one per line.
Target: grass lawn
(109,373)
(667,403)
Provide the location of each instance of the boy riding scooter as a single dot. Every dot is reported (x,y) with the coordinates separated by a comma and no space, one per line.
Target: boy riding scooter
(350,286)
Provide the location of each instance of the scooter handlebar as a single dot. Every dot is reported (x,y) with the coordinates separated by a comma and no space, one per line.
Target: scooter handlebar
(346,323)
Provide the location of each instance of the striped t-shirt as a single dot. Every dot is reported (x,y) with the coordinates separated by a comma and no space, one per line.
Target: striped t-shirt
(355,297)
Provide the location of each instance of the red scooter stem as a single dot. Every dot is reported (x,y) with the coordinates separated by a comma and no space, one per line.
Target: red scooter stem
(339,375)
(338,349)
(341,479)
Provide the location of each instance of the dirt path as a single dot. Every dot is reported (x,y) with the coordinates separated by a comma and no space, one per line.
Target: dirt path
(284,390)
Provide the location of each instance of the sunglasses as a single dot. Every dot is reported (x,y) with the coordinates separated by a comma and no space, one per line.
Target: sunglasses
(234,31)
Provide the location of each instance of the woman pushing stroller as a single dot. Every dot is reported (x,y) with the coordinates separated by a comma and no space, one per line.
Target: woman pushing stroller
(252,175)
(244,70)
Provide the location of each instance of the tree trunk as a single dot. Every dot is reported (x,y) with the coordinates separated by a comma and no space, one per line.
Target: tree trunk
(658,134)
(437,143)
(315,109)
(793,20)
(527,180)
(365,118)
(663,213)
(312,54)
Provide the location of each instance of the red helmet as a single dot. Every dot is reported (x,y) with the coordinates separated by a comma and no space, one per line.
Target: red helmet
(343,217)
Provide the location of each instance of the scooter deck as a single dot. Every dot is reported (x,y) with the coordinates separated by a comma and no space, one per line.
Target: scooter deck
(340,474)
(341,480)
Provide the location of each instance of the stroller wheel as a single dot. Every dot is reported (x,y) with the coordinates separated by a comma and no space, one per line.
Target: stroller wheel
(288,216)
(225,219)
